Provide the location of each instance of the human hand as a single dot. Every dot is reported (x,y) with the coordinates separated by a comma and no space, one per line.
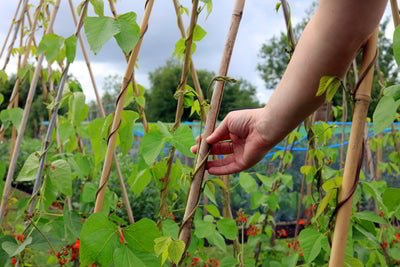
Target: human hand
(240,135)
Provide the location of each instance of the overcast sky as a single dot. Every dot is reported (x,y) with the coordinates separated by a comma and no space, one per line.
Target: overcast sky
(260,22)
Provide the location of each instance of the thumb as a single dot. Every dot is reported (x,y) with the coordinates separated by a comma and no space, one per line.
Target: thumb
(220,134)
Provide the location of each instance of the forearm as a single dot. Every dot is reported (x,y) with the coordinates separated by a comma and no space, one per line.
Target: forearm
(328,45)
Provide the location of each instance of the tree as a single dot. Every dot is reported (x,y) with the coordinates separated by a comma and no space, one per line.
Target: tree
(165,80)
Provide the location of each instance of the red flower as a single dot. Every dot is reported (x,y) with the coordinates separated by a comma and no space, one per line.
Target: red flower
(301,222)
(13,261)
(121,237)
(195,260)
(77,244)
(381,214)
(398,236)
(73,256)
(384,245)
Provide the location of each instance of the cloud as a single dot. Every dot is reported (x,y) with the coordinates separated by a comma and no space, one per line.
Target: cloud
(260,22)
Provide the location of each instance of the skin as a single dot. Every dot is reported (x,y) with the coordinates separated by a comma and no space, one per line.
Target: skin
(327,46)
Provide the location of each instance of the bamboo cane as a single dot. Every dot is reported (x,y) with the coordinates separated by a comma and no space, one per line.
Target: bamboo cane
(17,26)
(120,106)
(32,90)
(179,108)
(10,28)
(194,193)
(195,78)
(24,62)
(362,97)
(53,120)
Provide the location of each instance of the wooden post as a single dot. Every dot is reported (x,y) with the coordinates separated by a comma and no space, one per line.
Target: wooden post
(194,193)
(10,28)
(362,97)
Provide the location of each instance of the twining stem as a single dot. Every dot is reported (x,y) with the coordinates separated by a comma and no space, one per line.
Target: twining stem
(136,89)
(120,105)
(10,28)
(32,90)
(179,109)
(362,98)
(195,78)
(102,114)
(195,189)
(53,120)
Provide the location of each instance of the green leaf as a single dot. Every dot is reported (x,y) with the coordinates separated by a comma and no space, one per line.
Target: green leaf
(99,30)
(266,180)
(170,228)
(227,227)
(1,98)
(13,116)
(394,253)
(28,171)
(150,146)
(175,250)
(70,48)
(273,202)
(228,261)
(310,242)
(140,180)
(393,91)
(14,249)
(328,85)
(89,193)
(51,45)
(3,77)
(183,139)
(257,198)
(385,113)
(352,262)
(141,235)
(129,31)
(325,201)
(203,228)
(198,33)
(60,175)
(216,239)
(128,119)
(369,216)
(123,256)
(99,238)
(247,182)
(77,105)
(367,234)
(162,244)
(391,198)
(212,209)
(72,225)
(98,7)
(396,45)
(290,261)
(3,254)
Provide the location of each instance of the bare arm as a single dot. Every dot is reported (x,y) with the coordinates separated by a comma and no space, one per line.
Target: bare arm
(328,45)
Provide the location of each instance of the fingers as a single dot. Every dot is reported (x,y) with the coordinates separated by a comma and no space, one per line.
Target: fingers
(219,134)
(223,148)
(223,166)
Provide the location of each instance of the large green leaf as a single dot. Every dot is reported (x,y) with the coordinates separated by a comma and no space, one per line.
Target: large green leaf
(140,180)
(170,228)
(60,175)
(3,254)
(328,85)
(257,198)
(216,239)
(28,171)
(99,30)
(203,228)
(352,262)
(70,48)
(51,45)
(198,33)
(227,227)
(72,225)
(89,193)
(396,45)
(99,238)
(393,91)
(129,31)
(128,119)
(13,248)
(123,256)
(183,140)
(77,108)
(385,113)
(212,209)
(150,146)
(310,243)
(13,115)
(369,216)
(98,7)
(141,235)
(391,198)
(247,182)
(175,250)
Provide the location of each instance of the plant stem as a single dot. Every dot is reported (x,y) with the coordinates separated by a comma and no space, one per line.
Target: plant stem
(362,98)
(195,189)
(32,90)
